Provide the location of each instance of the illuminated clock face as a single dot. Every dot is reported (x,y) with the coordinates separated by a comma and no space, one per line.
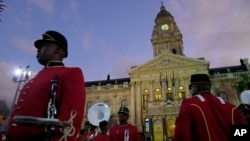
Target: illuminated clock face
(164,27)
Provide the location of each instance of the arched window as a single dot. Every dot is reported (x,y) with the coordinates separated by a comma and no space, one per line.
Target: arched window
(181,93)
(170,95)
(157,94)
(145,97)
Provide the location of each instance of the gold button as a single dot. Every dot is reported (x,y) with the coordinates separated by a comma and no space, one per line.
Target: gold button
(14,125)
(31,81)
(24,93)
(27,87)
(21,100)
(18,108)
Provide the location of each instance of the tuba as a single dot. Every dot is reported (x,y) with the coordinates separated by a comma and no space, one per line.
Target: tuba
(245,97)
(98,112)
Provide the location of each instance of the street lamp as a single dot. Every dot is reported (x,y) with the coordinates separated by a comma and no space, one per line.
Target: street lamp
(23,75)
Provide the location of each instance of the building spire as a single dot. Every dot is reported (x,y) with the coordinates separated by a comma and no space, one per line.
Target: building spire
(162,6)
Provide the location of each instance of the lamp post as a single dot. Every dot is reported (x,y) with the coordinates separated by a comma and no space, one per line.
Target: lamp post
(23,75)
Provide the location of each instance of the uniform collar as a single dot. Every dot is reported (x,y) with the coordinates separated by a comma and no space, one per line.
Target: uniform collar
(54,64)
(125,124)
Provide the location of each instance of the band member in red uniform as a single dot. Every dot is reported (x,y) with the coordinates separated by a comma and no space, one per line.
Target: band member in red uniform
(1,135)
(205,117)
(245,111)
(124,131)
(33,100)
(103,125)
(89,134)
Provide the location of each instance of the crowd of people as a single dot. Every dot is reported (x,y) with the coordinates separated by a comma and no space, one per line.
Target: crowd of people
(58,92)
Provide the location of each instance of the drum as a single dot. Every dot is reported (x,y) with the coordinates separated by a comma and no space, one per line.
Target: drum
(30,120)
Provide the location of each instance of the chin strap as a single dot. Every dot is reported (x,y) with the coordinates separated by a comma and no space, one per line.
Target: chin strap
(69,131)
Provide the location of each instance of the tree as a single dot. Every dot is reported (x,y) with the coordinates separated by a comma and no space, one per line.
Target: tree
(1,6)
(243,83)
(4,110)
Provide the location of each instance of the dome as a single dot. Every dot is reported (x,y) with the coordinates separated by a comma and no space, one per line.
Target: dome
(163,12)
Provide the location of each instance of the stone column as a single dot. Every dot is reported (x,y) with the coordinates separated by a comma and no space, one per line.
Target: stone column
(138,104)
(151,91)
(186,82)
(132,99)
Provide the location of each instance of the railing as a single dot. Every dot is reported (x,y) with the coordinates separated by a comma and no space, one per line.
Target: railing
(159,110)
(108,86)
(228,75)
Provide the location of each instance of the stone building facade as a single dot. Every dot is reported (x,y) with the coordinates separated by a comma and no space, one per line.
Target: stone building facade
(155,89)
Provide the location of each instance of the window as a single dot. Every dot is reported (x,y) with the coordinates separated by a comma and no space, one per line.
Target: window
(170,95)
(145,98)
(158,95)
(181,93)
(174,51)
(145,95)
(125,84)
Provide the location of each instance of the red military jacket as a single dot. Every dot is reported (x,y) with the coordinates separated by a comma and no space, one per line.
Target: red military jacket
(34,97)
(101,137)
(206,118)
(118,132)
(86,136)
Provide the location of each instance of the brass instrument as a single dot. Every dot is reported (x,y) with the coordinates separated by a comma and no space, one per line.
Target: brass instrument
(97,113)
(245,97)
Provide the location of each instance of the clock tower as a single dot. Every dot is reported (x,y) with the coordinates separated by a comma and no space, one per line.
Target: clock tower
(166,36)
